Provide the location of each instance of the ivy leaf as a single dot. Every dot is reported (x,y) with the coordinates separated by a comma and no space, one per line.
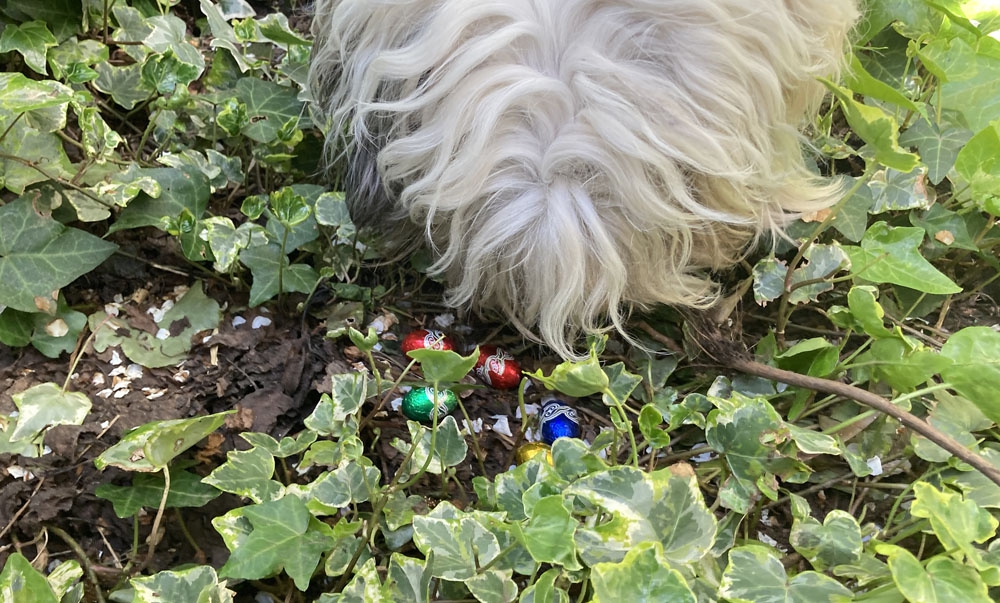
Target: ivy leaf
(836,541)
(179,190)
(755,574)
(945,226)
(892,255)
(123,82)
(939,144)
(958,523)
(460,544)
(186,490)
(273,273)
(63,16)
(45,405)
(199,583)
(577,379)
(822,262)
(941,581)
(19,94)
(977,97)
(32,40)
(247,473)
(975,367)
(748,432)
(22,583)
(450,448)
(644,575)
(275,27)
(852,219)
(898,191)
(493,585)
(979,162)
(285,536)
(270,106)
(444,366)
(548,535)
(168,36)
(877,128)
(152,446)
(544,590)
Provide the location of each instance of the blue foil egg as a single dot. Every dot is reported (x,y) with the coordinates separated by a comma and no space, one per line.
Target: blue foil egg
(558,421)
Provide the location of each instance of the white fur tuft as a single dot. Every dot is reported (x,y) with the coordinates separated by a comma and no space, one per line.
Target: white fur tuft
(568,159)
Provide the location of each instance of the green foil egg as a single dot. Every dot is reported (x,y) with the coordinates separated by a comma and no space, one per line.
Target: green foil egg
(418,403)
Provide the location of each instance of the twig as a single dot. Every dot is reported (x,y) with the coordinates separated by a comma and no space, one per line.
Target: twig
(23,508)
(84,560)
(828,386)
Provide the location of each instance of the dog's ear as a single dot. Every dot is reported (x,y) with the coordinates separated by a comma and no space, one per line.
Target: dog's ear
(367,197)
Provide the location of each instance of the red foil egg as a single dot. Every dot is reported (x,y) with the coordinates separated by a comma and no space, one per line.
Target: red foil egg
(419,339)
(498,368)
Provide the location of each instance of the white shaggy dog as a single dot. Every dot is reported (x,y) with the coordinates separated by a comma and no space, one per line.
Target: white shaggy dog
(569,159)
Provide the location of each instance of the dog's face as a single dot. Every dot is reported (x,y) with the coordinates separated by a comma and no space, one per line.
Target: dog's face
(567,159)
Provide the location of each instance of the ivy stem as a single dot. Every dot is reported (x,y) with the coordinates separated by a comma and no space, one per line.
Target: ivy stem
(624,419)
(783,314)
(154,538)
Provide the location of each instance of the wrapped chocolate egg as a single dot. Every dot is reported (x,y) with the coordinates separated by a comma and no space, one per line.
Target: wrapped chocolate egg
(497,368)
(418,403)
(533,450)
(558,420)
(419,339)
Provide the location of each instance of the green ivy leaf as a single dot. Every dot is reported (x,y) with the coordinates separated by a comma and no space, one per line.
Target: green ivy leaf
(450,448)
(408,578)
(444,366)
(38,255)
(269,106)
(577,379)
(22,583)
(351,483)
(975,367)
(837,541)
(199,583)
(288,446)
(123,82)
(548,534)
(650,420)
(459,542)
(816,357)
(273,273)
(976,95)
(892,255)
(247,473)
(493,585)
(877,128)
(979,163)
(939,144)
(942,580)
(748,432)
(754,574)
(958,523)
(63,16)
(644,575)
(179,190)
(186,490)
(899,191)
(285,536)
(45,405)
(32,40)
(275,27)
(544,590)
(152,446)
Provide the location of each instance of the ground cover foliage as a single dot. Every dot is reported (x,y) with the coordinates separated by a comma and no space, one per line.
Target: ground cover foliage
(181,133)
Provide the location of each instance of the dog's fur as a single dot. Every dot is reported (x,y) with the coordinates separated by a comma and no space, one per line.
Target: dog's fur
(568,159)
